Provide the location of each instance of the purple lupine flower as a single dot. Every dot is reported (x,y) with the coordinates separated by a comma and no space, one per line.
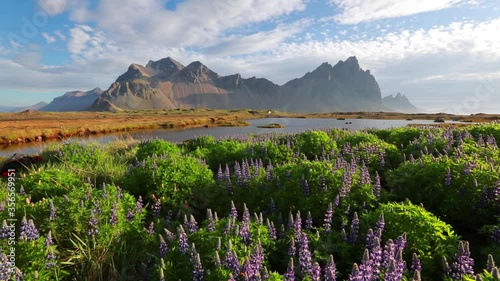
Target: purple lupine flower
(416,265)
(354,232)
(265,274)
(297,225)
(245,226)
(377,188)
(229,226)
(4,232)
(247,270)
(21,190)
(211,221)
(48,241)
(327,222)
(316,272)
(290,272)
(271,230)
(129,216)
(365,272)
(192,224)
(346,184)
(170,236)
(306,188)
(365,174)
(52,211)
(119,193)
(447,178)
(336,201)
(28,230)
(231,260)
(113,219)
(50,259)
(291,221)
(234,212)
(218,263)
(322,184)
(257,257)
(309,221)
(401,242)
(490,264)
(380,225)
(463,264)
(97,208)
(305,263)
(163,247)
(227,173)
(183,240)
(138,205)
(388,253)
(198,269)
(376,256)
(193,254)
(330,270)
(93,228)
(151,228)
(468,168)
(292,250)
(396,268)
(219,244)
(157,208)
(269,172)
(370,239)
(356,274)
(220,175)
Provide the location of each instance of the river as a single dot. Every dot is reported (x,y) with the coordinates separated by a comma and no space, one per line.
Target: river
(292,125)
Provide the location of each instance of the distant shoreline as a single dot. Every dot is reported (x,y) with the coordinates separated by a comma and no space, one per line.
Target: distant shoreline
(35,126)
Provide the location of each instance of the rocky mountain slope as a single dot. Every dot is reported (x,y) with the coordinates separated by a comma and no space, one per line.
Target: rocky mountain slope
(400,103)
(169,84)
(73,101)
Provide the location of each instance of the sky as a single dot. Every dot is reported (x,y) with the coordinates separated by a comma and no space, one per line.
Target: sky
(444,55)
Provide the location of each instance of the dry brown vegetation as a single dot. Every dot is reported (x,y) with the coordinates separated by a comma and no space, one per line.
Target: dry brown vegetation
(32,126)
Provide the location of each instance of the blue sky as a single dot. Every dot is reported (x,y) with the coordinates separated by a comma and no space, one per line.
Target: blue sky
(443,54)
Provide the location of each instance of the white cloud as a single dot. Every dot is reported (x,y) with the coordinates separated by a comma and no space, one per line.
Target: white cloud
(357,11)
(53,7)
(194,22)
(49,39)
(59,34)
(79,36)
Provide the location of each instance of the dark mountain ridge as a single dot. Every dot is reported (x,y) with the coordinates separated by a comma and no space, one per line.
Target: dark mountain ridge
(167,84)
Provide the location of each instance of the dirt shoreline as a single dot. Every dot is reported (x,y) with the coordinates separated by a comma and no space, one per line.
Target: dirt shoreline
(35,126)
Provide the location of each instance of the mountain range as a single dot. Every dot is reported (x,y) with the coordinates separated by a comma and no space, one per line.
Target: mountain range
(400,103)
(167,84)
(37,106)
(73,101)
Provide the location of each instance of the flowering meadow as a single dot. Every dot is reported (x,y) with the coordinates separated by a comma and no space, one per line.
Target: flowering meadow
(397,204)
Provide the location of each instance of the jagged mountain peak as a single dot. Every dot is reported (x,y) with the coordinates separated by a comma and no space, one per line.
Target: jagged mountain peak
(399,102)
(196,72)
(164,65)
(134,71)
(95,91)
(349,65)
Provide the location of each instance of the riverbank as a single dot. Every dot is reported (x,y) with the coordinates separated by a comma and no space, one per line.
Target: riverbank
(34,126)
